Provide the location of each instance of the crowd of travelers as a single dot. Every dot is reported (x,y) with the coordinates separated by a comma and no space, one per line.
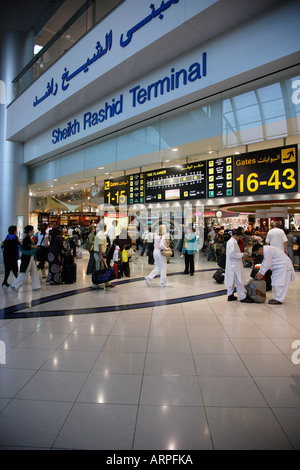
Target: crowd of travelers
(56,247)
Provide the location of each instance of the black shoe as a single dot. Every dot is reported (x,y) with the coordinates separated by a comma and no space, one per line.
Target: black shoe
(5,284)
(191,274)
(247,300)
(185,272)
(231,297)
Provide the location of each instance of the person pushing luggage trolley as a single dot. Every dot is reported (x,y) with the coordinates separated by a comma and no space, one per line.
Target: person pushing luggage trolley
(282,270)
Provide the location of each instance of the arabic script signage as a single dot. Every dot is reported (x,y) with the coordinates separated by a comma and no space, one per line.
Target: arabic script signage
(264,172)
(101,50)
(272,171)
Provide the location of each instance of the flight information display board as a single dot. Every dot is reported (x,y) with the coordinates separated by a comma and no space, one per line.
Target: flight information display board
(183,183)
(220,177)
(124,190)
(272,171)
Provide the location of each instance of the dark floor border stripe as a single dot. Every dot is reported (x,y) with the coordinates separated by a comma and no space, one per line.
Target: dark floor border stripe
(113,308)
(50,298)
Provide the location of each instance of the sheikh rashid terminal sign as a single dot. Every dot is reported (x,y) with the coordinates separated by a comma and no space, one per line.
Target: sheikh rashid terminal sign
(273,171)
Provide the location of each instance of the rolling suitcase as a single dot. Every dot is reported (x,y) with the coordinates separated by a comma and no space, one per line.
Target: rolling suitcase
(256,290)
(118,270)
(103,275)
(219,276)
(69,273)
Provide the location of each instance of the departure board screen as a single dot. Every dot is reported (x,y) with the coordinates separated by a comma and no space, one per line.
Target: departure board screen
(124,190)
(220,177)
(272,171)
(176,183)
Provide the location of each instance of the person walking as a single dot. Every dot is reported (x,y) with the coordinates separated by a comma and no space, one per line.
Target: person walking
(149,240)
(282,270)
(189,249)
(27,263)
(160,260)
(43,244)
(234,269)
(10,254)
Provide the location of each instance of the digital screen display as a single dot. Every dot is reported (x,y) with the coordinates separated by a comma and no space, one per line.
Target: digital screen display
(220,177)
(272,171)
(184,183)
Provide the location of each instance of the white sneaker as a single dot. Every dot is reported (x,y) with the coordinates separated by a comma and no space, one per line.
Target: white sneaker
(148,281)
(164,285)
(13,290)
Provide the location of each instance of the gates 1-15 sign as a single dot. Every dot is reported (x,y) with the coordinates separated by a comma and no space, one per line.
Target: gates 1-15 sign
(269,171)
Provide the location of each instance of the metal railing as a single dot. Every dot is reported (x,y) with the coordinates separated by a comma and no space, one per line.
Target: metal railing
(91,13)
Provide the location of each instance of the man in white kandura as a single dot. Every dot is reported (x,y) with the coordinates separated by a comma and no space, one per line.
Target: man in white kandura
(282,270)
(277,237)
(234,269)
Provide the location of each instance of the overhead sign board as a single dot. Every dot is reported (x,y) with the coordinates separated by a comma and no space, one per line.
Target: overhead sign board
(272,171)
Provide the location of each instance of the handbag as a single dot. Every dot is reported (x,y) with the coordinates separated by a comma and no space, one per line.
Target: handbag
(167,252)
(124,256)
(28,252)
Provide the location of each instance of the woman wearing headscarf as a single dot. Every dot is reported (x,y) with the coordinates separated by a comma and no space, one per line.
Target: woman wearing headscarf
(57,249)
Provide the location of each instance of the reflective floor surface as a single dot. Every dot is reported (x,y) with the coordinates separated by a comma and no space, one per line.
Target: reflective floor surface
(158,368)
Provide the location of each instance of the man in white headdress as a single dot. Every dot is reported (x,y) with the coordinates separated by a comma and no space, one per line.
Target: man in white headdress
(282,270)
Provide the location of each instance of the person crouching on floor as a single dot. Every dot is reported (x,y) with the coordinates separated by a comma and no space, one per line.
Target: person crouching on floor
(282,270)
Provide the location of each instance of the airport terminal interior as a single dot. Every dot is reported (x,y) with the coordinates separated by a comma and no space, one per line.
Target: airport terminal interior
(145,134)
(138,367)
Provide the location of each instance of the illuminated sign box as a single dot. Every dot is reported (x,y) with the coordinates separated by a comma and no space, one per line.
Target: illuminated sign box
(273,171)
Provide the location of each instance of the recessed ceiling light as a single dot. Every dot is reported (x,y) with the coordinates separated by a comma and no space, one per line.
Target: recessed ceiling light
(174,150)
(100,167)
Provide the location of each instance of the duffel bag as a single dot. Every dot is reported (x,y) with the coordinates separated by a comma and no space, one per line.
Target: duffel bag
(256,290)
(103,275)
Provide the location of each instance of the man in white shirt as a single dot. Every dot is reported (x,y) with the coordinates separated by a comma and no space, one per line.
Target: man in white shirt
(282,270)
(234,269)
(100,246)
(277,237)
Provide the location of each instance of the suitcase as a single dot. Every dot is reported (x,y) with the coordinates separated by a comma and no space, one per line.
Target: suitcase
(69,273)
(222,261)
(118,270)
(103,275)
(68,258)
(219,276)
(256,290)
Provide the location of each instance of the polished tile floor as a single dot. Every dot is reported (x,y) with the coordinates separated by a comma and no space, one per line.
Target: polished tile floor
(132,368)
